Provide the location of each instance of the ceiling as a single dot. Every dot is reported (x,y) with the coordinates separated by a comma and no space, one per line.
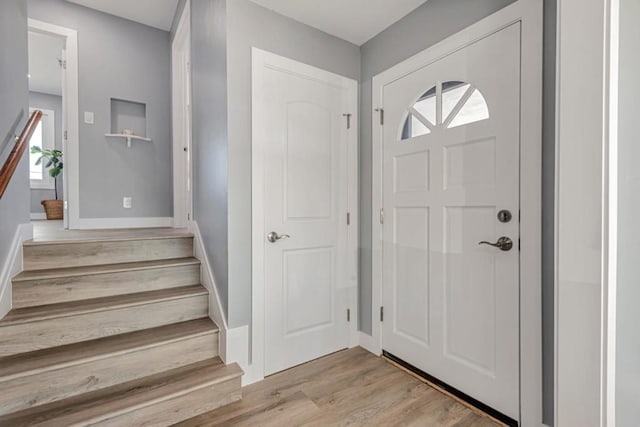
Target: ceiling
(44,68)
(353,20)
(154,13)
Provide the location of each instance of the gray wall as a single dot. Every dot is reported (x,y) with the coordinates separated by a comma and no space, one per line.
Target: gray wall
(251,25)
(125,60)
(49,102)
(14,205)
(628,316)
(209,87)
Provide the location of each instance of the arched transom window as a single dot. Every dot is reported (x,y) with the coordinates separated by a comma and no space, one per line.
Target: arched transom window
(462,104)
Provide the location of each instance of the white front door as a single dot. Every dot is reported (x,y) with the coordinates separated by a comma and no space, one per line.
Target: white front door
(299,124)
(451,165)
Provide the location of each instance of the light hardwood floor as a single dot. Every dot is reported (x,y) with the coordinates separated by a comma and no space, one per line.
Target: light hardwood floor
(52,231)
(351,387)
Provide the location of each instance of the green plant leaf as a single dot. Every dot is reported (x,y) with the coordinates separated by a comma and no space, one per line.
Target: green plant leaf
(39,161)
(35,149)
(54,172)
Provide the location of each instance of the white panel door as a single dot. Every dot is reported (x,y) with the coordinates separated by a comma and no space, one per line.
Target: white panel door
(305,207)
(451,164)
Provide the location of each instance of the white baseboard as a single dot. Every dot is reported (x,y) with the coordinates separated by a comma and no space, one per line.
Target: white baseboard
(207,280)
(237,345)
(368,343)
(105,223)
(38,216)
(12,266)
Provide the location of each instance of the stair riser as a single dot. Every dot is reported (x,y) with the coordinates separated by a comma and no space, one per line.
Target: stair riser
(77,288)
(180,408)
(50,386)
(24,337)
(76,254)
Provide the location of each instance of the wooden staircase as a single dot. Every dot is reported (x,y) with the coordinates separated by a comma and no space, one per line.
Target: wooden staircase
(111,332)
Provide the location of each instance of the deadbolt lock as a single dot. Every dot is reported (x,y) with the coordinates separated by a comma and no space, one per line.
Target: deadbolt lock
(505,216)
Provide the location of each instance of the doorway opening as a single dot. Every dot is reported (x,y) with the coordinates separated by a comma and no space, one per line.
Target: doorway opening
(53,89)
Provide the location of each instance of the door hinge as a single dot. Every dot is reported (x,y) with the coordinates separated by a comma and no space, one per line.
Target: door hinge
(63,63)
(381,111)
(348,315)
(348,116)
(188,216)
(66,136)
(381,215)
(348,218)
(381,313)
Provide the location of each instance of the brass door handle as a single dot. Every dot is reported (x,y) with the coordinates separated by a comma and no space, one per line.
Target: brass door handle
(274,237)
(504,243)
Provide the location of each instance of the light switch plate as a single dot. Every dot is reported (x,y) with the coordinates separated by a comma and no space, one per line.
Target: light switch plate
(127,202)
(88,117)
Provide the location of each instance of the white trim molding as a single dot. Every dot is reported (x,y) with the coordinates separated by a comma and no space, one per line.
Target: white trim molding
(133,222)
(70,119)
(529,13)
(586,212)
(181,117)
(216,313)
(12,266)
(369,343)
(260,60)
(37,216)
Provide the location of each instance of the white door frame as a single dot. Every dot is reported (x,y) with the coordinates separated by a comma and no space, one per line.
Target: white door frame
(529,13)
(586,188)
(260,60)
(70,148)
(181,82)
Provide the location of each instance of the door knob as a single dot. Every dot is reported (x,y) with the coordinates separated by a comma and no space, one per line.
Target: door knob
(274,237)
(503,243)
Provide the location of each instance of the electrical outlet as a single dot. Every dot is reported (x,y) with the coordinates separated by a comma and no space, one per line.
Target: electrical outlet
(127,202)
(88,118)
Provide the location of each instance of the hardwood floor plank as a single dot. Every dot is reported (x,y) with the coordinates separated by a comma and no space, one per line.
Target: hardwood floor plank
(53,231)
(54,358)
(351,387)
(44,327)
(97,372)
(158,400)
(40,287)
(48,255)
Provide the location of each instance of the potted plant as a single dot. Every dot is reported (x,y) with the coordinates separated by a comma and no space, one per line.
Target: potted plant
(53,158)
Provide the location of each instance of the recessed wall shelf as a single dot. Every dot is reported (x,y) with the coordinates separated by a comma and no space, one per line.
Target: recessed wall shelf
(128,120)
(129,138)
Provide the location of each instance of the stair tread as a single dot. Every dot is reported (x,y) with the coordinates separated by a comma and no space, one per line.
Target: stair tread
(89,236)
(64,309)
(74,354)
(101,269)
(125,397)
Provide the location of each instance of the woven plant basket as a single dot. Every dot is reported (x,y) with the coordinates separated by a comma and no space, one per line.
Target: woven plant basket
(53,208)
